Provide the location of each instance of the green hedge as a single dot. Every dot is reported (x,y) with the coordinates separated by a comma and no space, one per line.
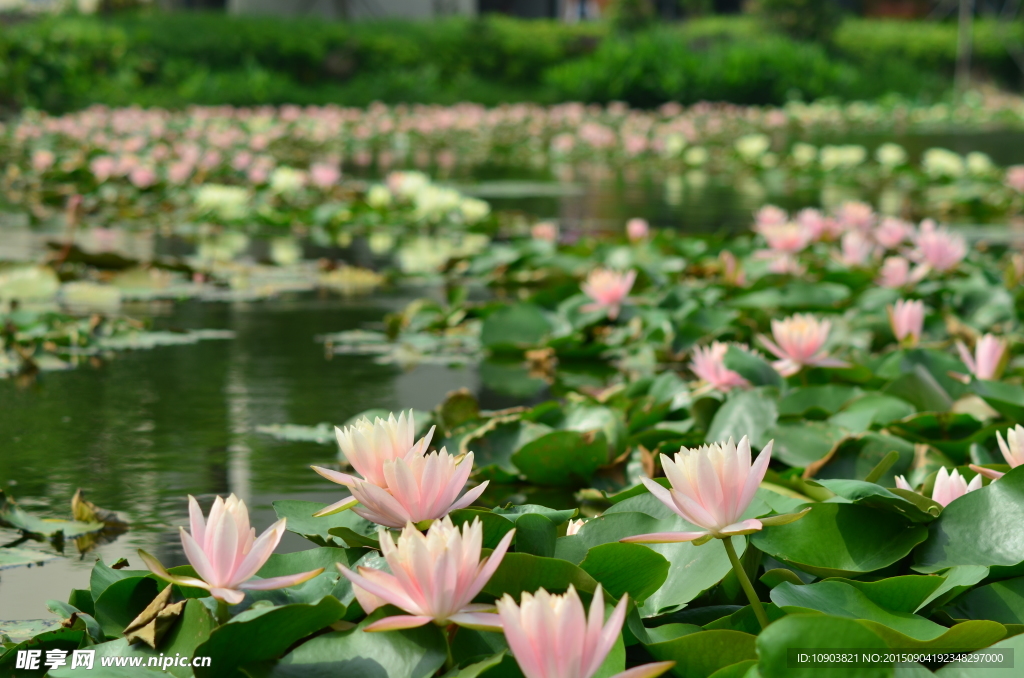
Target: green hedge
(63,63)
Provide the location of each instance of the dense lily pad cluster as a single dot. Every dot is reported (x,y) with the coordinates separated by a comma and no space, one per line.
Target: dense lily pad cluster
(807,436)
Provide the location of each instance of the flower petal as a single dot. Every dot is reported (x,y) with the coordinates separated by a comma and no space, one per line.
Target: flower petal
(646,671)
(336,476)
(398,623)
(481,621)
(663,537)
(987,472)
(230,596)
(337,507)
(157,568)
(742,527)
(281,582)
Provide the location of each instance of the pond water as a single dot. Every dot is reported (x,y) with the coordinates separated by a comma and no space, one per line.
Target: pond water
(143,430)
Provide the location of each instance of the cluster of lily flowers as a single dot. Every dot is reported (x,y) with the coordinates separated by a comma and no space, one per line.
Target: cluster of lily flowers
(154,150)
(435,576)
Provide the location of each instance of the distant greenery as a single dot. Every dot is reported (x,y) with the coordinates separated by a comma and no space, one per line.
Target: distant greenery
(64,63)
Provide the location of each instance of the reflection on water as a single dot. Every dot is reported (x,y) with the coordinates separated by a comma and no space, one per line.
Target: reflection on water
(147,428)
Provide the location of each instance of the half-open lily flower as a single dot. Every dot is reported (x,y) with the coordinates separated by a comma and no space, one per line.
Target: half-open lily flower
(226,554)
(552,636)
(907,320)
(856,249)
(608,289)
(987,360)
(787,237)
(417,488)
(799,342)
(711,487)
(896,273)
(368,447)
(637,229)
(855,215)
(434,577)
(1012,449)
(709,365)
(938,248)
(544,231)
(574,527)
(948,486)
(770,215)
(892,232)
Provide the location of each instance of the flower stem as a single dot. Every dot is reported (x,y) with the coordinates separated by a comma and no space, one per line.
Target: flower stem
(223,615)
(748,588)
(449,662)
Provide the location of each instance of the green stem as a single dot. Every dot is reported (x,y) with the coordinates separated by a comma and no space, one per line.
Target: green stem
(803,377)
(449,662)
(223,615)
(748,588)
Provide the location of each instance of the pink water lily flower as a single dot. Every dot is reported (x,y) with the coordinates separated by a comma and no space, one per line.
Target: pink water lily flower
(368,447)
(637,229)
(709,365)
(711,487)
(907,320)
(799,342)
(545,231)
(892,232)
(938,248)
(226,554)
(552,636)
(1012,449)
(948,486)
(987,359)
(787,237)
(608,289)
(417,488)
(896,273)
(574,527)
(434,577)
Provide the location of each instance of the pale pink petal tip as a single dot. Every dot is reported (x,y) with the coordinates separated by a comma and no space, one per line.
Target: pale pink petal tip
(646,671)
(279,582)
(399,622)
(337,507)
(743,527)
(664,537)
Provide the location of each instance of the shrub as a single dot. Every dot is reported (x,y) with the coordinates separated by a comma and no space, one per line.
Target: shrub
(802,19)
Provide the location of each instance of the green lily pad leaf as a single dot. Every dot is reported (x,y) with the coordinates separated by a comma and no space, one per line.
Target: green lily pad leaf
(968,669)
(795,295)
(1006,399)
(698,655)
(911,505)
(872,409)
(626,568)
(12,515)
(520,572)
(21,630)
(751,367)
(535,534)
(898,594)
(744,669)
(956,580)
(837,540)
(494,443)
(557,516)
(802,444)
(353,539)
(984,527)
(412,653)
(827,399)
(692,569)
(817,632)
(123,601)
(1001,601)
(584,418)
(562,457)
(920,388)
(263,633)
(318,530)
(951,433)
(117,648)
(745,620)
(515,327)
(840,599)
(328,583)
(924,362)
(15,557)
(745,413)
(969,635)
(482,667)
(857,456)
(494,525)
(510,378)
(58,639)
(321,433)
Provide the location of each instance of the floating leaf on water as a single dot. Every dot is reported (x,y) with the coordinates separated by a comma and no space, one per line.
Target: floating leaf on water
(12,515)
(16,557)
(322,433)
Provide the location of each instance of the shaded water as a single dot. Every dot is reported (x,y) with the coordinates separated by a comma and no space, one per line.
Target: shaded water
(143,430)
